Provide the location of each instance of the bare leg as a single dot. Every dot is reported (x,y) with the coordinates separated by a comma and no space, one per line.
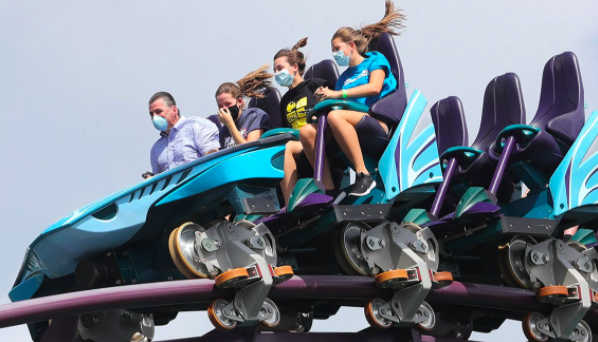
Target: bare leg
(292,151)
(307,135)
(342,123)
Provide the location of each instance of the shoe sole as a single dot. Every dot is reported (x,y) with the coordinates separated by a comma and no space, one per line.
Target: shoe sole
(372,186)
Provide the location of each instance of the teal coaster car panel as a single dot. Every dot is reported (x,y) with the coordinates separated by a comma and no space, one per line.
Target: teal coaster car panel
(111,222)
(411,158)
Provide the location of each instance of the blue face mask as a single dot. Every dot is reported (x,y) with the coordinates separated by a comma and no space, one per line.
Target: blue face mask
(284,78)
(340,58)
(159,123)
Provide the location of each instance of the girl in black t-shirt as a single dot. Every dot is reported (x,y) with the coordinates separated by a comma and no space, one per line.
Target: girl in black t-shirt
(289,66)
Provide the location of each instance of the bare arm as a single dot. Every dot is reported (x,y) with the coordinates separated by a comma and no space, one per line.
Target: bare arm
(372,88)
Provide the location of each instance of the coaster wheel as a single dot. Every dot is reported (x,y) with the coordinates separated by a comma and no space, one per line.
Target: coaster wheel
(511,261)
(392,278)
(181,245)
(217,318)
(372,315)
(552,292)
(283,273)
(347,248)
(274,320)
(443,279)
(530,327)
(429,322)
(576,245)
(584,330)
(229,278)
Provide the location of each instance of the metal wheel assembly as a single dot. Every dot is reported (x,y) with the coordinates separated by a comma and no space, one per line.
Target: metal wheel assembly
(531,327)
(270,308)
(231,278)
(391,279)
(216,315)
(512,261)
(426,313)
(181,245)
(347,247)
(372,314)
(282,274)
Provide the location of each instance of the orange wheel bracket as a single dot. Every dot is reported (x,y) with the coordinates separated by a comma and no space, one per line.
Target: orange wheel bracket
(552,291)
(228,278)
(392,276)
(214,313)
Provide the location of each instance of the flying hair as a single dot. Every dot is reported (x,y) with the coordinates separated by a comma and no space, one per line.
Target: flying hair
(294,56)
(251,85)
(367,37)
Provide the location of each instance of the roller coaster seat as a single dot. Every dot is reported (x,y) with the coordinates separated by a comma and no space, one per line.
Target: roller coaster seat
(214,119)
(449,124)
(503,106)
(325,69)
(271,105)
(560,117)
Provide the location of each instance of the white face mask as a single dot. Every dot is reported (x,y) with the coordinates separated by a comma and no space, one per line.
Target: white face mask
(284,78)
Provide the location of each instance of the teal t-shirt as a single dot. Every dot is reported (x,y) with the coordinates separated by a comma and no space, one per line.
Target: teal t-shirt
(360,75)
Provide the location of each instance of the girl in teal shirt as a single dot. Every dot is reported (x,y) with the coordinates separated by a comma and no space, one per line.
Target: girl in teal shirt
(367,80)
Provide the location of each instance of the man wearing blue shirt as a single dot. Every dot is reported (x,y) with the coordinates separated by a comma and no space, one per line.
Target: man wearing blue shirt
(181,139)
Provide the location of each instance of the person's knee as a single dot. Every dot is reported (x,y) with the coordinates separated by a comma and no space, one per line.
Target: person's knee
(335,117)
(307,134)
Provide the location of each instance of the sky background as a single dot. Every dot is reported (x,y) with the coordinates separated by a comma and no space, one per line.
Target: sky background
(75,78)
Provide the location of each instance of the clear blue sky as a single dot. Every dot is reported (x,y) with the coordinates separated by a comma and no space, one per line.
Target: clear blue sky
(75,77)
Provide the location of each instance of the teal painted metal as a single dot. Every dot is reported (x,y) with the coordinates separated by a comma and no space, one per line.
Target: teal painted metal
(282,130)
(229,171)
(575,181)
(472,196)
(411,158)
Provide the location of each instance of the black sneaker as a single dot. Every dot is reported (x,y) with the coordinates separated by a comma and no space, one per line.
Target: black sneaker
(363,185)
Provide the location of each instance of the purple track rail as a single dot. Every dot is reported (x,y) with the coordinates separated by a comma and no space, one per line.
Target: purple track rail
(306,287)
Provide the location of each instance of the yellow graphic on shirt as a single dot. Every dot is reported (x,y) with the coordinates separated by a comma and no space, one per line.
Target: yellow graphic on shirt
(297,113)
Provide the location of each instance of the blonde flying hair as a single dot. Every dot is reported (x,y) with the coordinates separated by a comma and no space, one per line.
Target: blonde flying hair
(294,56)
(366,37)
(251,85)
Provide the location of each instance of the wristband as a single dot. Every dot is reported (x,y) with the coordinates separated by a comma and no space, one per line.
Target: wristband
(344,94)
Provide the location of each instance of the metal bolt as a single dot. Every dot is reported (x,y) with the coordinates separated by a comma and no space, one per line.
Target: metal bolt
(270,310)
(426,313)
(382,243)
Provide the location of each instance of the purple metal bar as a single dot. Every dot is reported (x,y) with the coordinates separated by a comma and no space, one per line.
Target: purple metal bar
(351,288)
(320,152)
(448,175)
(368,335)
(502,165)
(61,330)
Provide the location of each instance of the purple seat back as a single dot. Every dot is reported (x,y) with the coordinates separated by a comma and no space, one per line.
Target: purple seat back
(390,108)
(503,106)
(561,108)
(271,105)
(449,124)
(214,119)
(325,69)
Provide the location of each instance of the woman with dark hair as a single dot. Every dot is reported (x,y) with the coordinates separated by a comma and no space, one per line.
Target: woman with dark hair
(289,67)
(239,124)
(367,79)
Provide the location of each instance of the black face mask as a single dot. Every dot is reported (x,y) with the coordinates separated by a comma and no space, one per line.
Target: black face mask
(234,112)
